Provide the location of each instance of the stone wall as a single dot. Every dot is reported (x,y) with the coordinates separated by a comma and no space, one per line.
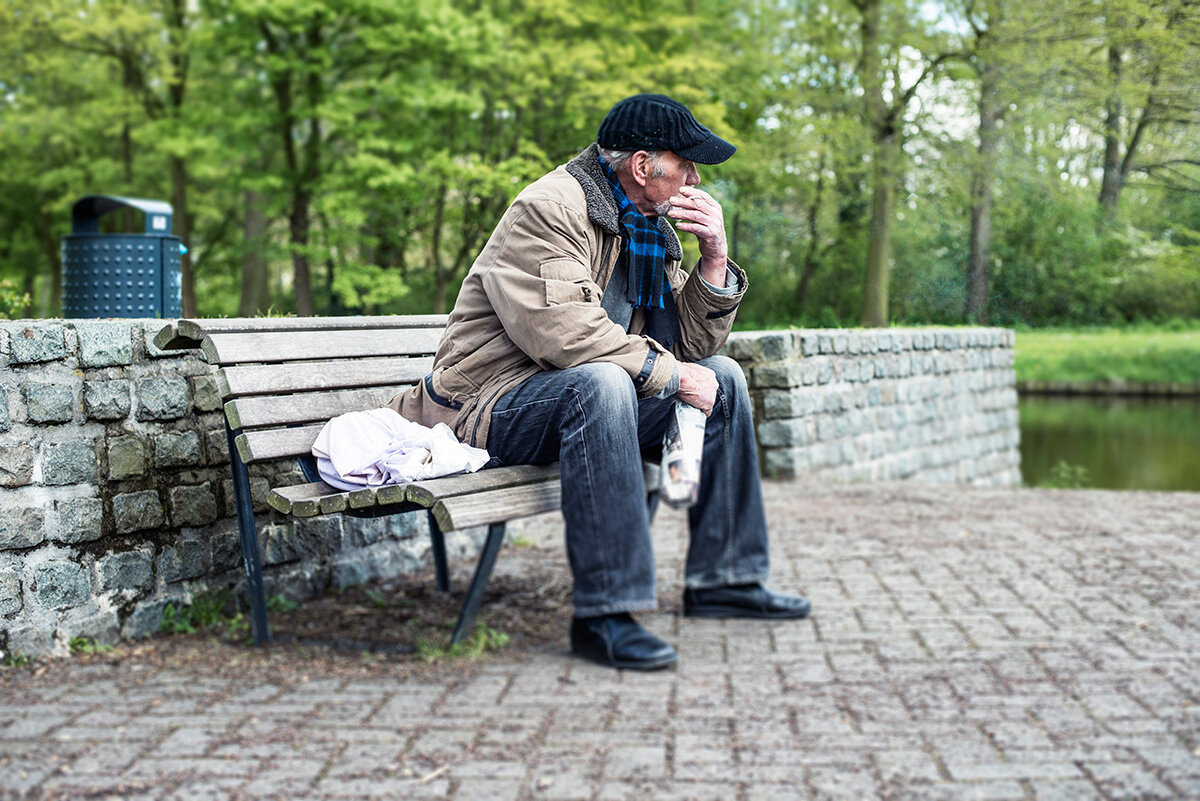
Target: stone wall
(934,405)
(115,497)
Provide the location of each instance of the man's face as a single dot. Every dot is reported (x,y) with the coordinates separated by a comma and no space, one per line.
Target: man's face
(666,178)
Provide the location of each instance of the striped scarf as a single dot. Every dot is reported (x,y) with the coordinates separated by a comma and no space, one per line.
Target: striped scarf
(645,248)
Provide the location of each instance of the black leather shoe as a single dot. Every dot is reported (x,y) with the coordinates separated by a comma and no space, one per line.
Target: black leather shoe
(744,600)
(619,641)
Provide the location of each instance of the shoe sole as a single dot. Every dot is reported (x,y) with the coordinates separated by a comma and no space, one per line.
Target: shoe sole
(660,664)
(737,611)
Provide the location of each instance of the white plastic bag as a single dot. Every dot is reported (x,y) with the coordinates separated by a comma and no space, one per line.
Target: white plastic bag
(683,447)
(380,446)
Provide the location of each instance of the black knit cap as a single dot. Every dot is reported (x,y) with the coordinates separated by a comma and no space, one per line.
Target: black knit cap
(656,122)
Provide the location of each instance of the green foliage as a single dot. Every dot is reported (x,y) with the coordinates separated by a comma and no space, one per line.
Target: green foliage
(12,302)
(86,645)
(206,611)
(281,603)
(14,659)
(1143,354)
(481,640)
(1064,475)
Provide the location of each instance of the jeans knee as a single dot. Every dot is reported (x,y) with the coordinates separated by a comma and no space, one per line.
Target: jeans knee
(604,386)
(730,377)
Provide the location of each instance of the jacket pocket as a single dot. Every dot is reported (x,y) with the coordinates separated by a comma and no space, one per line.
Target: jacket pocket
(567,281)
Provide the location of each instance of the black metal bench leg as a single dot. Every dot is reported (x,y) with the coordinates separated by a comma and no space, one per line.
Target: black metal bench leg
(437,541)
(249,538)
(483,571)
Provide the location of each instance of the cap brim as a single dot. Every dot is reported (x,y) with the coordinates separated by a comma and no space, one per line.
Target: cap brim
(713,150)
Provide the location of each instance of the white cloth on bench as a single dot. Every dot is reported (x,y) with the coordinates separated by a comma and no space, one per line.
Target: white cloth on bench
(379,446)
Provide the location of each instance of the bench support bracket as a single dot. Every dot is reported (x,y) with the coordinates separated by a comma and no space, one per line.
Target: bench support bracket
(483,571)
(249,538)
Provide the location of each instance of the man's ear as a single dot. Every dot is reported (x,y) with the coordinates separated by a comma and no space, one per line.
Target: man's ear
(641,165)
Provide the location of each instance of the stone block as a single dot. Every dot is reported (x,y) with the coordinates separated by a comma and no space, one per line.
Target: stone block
(260,489)
(31,640)
(783,433)
(37,342)
(350,571)
(131,570)
(162,398)
(79,520)
(777,376)
(185,559)
(10,594)
(71,462)
(278,544)
(218,447)
(16,465)
(226,548)
(21,527)
(101,627)
(205,397)
(742,348)
(137,511)
(180,449)
(5,418)
(126,457)
(145,620)
(49,403)
(193,506)
(106,400)
(777,346)
(59,584)
(104,344)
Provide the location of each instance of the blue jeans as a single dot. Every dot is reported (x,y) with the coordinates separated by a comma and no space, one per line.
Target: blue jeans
(590,420)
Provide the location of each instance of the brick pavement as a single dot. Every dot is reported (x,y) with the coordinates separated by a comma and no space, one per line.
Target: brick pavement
(967,643)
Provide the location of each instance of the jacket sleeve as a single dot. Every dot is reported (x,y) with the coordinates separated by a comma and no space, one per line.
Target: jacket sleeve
(705,317)
(538,279)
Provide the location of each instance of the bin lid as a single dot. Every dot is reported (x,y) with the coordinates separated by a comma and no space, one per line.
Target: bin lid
(87,211)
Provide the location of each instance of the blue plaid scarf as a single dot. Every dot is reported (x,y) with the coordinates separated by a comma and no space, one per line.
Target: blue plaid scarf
(645,248)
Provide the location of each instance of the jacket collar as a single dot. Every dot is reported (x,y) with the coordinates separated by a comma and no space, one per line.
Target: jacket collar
(602,208)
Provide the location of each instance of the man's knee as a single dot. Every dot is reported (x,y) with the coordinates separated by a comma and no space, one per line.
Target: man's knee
(603,385)
(730,377)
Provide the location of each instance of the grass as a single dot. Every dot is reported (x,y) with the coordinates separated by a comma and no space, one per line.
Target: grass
(1134,355)
(206,611)
(482,639)
(86,645)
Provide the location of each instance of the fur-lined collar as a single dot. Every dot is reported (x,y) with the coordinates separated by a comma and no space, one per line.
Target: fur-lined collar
(602,208)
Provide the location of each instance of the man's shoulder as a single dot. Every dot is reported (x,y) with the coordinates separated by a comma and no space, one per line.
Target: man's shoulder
(557,187)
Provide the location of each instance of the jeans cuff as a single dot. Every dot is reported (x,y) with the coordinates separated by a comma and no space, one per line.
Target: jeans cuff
(615,608)
(706,583)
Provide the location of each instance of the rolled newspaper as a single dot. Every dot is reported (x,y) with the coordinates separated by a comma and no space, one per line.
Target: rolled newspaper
(683,447)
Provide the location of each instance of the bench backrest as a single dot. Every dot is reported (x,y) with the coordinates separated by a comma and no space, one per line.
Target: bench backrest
(281,380)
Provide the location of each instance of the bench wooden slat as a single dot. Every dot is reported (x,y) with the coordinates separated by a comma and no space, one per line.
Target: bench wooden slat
(286,346)
(429,491)
(275,443)
(188,333)
(308,500)
(495,506)
(307,407)
(273,379)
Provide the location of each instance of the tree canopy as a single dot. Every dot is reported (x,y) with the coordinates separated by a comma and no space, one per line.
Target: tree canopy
(944,162)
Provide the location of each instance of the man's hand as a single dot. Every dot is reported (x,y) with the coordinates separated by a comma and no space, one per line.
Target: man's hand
(697,386)
(696,212)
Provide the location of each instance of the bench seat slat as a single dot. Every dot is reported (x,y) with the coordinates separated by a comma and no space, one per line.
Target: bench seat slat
(188,333)
(308,500)
(429,491)
(307,407)
(274,379)
(286,346)
(276,443)
(496,506)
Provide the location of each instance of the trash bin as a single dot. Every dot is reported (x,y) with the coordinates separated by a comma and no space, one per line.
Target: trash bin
(121,275)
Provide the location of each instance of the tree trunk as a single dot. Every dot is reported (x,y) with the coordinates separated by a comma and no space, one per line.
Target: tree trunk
(883,199)
(50,246)
(1110,187)
(979,266)
(302,275)
(256,293)
(810,256)
(183,230)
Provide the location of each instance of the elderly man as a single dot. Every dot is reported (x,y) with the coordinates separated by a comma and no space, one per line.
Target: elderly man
(573,334)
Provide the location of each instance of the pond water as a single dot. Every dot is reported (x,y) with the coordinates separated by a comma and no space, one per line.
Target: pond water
(1121,443)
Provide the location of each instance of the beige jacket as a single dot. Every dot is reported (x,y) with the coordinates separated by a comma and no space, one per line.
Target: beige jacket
(531,302)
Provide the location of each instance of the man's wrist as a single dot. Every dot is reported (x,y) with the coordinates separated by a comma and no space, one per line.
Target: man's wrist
(713,270)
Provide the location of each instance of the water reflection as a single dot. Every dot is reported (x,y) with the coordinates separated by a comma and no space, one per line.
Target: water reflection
(1125,443)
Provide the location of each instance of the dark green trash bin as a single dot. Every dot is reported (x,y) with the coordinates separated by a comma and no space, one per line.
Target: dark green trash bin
(121,275)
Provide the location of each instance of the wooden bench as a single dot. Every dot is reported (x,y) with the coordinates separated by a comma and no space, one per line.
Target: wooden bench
(281,379)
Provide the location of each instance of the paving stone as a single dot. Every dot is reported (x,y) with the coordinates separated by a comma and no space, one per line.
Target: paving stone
(106,400)
(137,511)
(162,398)
(70,462)
(104,343)
(59,584)
(37,342)
(126,457)
(21,527)
(79,520)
